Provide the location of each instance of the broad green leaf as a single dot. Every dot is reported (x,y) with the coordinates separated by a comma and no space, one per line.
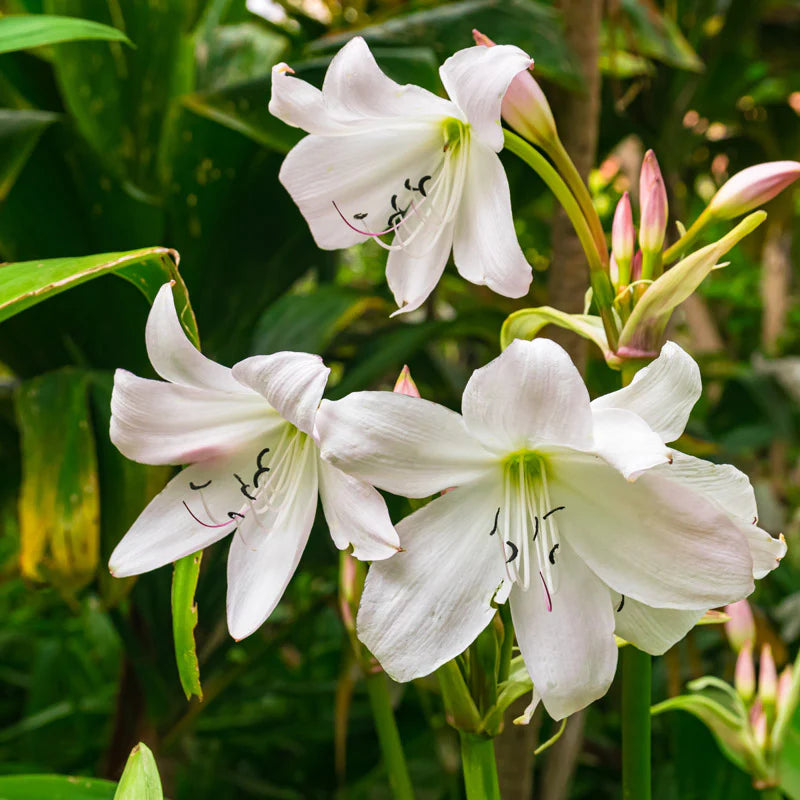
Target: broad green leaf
(789,764)
(527,322)
(27,283)
(23,31)
(140,779)
(59,507)
(310,322)
(643,329)
(184,621)
(19,132)
(54,787)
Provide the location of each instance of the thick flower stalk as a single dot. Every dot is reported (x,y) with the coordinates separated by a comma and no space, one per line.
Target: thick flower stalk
(254,471)
(384,160)
(577,512)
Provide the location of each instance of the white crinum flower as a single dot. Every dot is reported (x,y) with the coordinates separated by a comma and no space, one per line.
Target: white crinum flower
(248,435)
(577,511)
(386,159)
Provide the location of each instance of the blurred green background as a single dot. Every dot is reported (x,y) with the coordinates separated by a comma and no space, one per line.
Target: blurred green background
(104,147)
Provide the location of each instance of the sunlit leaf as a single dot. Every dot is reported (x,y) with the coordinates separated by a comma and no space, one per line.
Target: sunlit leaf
(23,31)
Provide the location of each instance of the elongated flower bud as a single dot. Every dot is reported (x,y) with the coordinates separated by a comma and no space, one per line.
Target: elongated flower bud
(752,187)
(741,627)
(623,237)
(767,678)
(758,721)
(784,686)
(405,383)
(653,200)
(744,678)
(525,108)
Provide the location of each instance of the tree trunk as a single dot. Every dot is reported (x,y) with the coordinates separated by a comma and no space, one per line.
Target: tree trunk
(578,117)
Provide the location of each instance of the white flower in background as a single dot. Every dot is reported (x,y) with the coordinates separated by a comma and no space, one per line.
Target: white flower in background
(576,510)
(248,435)
(384,159)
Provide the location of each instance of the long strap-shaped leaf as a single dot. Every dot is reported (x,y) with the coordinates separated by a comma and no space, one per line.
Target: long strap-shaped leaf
(20,32)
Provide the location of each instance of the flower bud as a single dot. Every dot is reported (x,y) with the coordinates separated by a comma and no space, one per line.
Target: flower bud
(653,200)
(525,108)
(741,627)
(767,678)
(405,383)
(751,187)
(623,237)
(744,677)
(758,722)
(784,686)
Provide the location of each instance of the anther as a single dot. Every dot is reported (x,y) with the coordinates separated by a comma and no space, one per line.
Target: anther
(513,554)
(197,487)
(493,531)
(552,555)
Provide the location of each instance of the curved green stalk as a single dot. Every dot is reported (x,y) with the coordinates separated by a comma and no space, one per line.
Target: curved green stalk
(677,249)
(388,736)
(479,766)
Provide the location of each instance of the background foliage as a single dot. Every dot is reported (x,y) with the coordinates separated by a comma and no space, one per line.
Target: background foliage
(107,147)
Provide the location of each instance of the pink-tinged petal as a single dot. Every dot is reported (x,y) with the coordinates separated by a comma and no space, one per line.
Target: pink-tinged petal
(653,630)
(567,640)
(405,445)
(405,383)
(485,246)
(626,442)
(651,539)
(662,394)
(356,515)
(292,383)
(267,547)
(190,513)
(351,188)
(653,200)
(164,423)
(426,605)
(174,357)
(476,79)
(530,395)
(753,187)
(623,235)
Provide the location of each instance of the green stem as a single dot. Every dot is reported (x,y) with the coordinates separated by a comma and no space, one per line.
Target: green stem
(636,680)
(507,648)
(479,767)
(771,793)
(675,250)
(573,178)
(388,736)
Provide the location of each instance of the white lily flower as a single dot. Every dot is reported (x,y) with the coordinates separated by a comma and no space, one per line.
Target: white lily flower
(388,159)
(577,511)
(248,435)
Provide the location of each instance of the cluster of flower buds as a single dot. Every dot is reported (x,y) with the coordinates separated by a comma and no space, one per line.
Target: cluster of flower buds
(750,719)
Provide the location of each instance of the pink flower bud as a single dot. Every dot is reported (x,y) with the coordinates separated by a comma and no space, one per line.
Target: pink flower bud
(613,270)
(622,233)
(653,200)
(525,108)
(741,627)
(767,678)
(784,686)
(744,677)
(636,266)
(405,383)
(753,186)
(758,722)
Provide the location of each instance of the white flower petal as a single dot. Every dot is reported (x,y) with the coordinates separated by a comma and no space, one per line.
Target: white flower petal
(344,185)
(163,423)
(405,445)
(485,246)
(184,518)
(292,384)
(301,105)
(651,539)
(355,83)
(477,79)
(662,394)
(625,441)
(413,271)
(267,547)
(569,651)
(174,357)
(424,606)
(531,394)
(654,630)
(730,491)
(356,514)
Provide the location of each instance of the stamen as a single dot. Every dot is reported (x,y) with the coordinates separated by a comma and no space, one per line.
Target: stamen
(548,599)
(621,603)
(197,487)
(515,552)
(204,524)
(552,555)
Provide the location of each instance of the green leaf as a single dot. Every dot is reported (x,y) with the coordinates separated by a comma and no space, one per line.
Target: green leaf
(54,787)
(59,507)
(140,780)
(19,132)
(645,325)
(27,283)
(21,32)
(184,621)
(527,322)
